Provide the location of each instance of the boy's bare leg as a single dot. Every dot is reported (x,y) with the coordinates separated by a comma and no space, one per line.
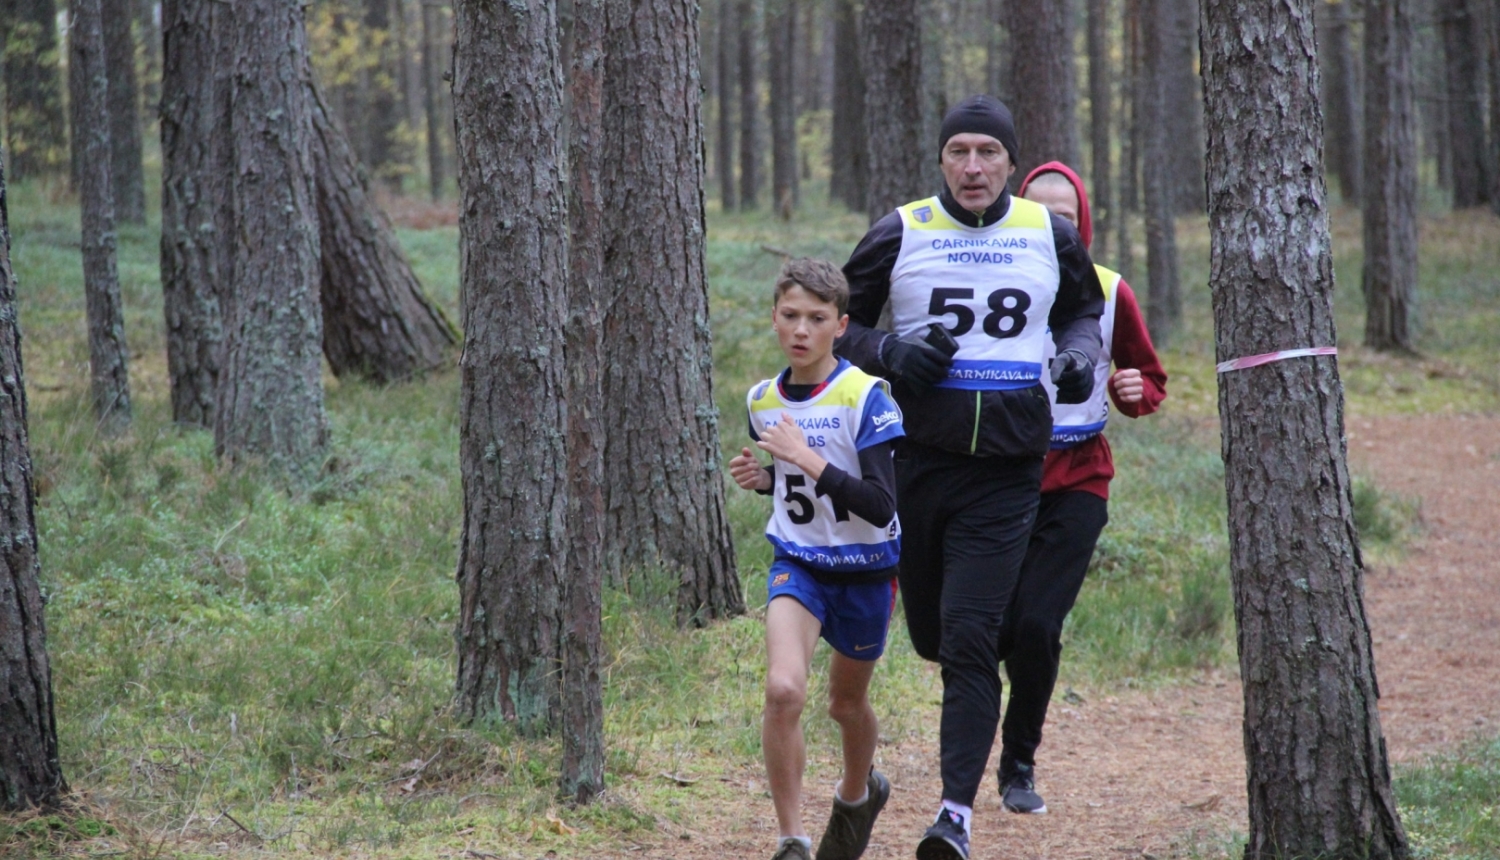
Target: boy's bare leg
(849,706)
(791,635)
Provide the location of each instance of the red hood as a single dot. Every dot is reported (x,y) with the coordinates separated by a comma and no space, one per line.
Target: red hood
(1085,222)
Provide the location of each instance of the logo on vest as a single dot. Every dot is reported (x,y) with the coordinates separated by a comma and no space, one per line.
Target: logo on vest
(885,419)
(923,215)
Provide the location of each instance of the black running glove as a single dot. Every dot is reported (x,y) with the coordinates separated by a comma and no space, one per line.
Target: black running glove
(1073,374)
(915,362)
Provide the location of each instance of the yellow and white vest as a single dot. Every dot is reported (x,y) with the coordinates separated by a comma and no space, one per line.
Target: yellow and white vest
(992,287)
(805,526)
(1073,423)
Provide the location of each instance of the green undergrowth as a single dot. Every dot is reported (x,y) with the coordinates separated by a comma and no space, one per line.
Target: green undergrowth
(1451,804)
(240,670)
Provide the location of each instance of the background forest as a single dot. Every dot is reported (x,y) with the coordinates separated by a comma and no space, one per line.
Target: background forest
(241,668)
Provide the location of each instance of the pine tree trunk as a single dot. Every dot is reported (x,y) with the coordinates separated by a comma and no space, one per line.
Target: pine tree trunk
(432,86)
(1462,36)
(935,15)
(36,134)
(127,178)
(1130,141)
(382,115)
(1183,105)
(1044,98)
(30,769)
(1341,96)
(781,30)
(1389,202)
(749,108)
(1101,204)
(849,181)
(108,357)
(269,402)
(508,99)
(146,20)
(583,582)
(1163,298)
(377,323)
(666,492)
(1493,42)
(724,46)
(196,201)
(1318,777)
(892,60)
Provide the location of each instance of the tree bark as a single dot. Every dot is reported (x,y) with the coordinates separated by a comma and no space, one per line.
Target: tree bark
(1130,142)
(432,86)
(1101,203)
(724,146)
(1163,297)
(892,60)
(583,581)
(749,108)
(146,19)
(508,101)
(36,134)
(197,214)
(1044,98)
(269,399)
(377,323)
(1318,777)
(108,357)
(382,116)
(1183,105)
(1389,278)
(127,177)
(849,180)
(1341,96)
(1462,34)
(30,768)
(666,493)
(1493,42)
(781,37)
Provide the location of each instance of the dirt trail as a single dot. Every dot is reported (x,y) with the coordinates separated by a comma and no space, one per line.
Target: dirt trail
(1153,773)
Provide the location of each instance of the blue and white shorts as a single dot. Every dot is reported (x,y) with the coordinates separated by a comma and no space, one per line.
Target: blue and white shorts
(855,618)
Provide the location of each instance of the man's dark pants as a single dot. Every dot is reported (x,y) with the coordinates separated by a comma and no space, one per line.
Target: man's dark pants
(965,526)
(1062,543)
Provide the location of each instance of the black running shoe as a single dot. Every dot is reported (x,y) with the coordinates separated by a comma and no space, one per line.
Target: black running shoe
(791,849)
(1018,788)
(848,832)
(946,839)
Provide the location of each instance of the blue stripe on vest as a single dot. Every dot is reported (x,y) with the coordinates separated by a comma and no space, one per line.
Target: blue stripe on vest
(970,375)
(1067,437)
(873,556)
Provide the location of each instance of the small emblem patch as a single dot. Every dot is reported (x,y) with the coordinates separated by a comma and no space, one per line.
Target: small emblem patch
(923,215)
(781,579)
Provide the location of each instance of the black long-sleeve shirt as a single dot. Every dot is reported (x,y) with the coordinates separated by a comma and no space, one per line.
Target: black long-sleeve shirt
(1012,423)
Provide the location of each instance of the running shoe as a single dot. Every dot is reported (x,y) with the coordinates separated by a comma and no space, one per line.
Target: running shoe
(848,832)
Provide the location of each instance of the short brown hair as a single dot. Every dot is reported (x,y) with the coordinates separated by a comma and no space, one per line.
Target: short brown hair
(819,277)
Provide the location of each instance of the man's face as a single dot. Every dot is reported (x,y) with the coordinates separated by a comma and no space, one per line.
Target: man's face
(1054,191)
(976,168)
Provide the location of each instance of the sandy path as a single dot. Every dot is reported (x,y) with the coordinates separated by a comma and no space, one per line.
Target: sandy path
(1153,773)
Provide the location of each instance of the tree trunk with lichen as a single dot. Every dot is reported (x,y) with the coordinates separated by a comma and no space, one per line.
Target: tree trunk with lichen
(892,55)
(513,236)
(666,489)
(1389,195)
(30,769)
(36,133)
(1318,777)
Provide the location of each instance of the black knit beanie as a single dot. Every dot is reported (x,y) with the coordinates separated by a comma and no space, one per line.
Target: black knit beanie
(981,115)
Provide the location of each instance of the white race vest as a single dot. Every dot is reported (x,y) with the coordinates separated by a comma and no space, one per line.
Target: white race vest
(805,526)
(992,287)
(1073,423)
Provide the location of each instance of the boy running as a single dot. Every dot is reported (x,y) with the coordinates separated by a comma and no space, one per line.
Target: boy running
(1074,508)
(830,429)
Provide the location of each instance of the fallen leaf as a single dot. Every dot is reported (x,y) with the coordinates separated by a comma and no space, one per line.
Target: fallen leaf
(1208,805)
(558,827)
(409,786)
(678,778)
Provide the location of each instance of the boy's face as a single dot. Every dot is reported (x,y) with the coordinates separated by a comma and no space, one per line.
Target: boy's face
(1058,196)
(806,326)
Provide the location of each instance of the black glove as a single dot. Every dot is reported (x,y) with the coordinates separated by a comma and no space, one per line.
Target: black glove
(914,361)
(1073,374)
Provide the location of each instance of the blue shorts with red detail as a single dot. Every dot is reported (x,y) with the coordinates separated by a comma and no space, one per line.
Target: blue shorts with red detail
(855,618)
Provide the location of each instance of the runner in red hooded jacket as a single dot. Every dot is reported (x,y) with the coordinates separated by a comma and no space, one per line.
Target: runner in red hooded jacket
(1075,490)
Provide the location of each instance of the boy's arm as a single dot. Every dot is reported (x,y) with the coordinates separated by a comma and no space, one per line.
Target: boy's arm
(871,497)
(1132,350)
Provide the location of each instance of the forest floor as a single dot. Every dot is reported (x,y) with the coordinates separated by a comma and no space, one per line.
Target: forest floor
(1161,772)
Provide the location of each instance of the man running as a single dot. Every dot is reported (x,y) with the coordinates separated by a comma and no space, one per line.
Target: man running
(981,285)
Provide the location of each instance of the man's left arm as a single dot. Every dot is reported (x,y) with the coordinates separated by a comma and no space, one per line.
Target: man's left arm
(1080,299)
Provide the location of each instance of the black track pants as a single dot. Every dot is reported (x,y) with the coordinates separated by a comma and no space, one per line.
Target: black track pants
(965,524)
(1062,542)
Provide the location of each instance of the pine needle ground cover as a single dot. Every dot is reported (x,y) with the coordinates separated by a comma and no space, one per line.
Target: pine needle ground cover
(240,671)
